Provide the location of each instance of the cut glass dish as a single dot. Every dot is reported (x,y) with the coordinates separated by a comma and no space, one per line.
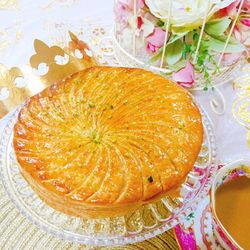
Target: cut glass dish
(146,222)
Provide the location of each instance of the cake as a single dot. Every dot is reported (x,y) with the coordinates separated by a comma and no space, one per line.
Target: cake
(107,140)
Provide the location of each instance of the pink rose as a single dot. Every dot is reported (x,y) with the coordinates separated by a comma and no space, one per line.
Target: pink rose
(246,5)
(151,48)
(185,76)
(156,40)
(122,13)
(245,21)
(130,3)
(123,9)
(242,30)
(231,9)
(140,4)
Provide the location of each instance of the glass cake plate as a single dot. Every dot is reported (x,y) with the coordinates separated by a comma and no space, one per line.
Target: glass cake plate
(146,222)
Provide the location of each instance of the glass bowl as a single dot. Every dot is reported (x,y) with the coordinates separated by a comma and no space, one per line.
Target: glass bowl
(146,222)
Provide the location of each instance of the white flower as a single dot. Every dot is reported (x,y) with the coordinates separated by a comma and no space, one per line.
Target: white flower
(186,14)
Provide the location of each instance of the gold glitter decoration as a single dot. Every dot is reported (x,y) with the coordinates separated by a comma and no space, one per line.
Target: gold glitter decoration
(241,106)
(55,3)
(107,50)
(3,40)
(99,31)
(94,42)
(10,35)
(242,85)
(9,4)
(59,34)
(241,111)
(248,138)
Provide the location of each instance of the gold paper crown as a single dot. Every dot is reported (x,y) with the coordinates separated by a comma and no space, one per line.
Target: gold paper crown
(62,62)
(10,94)
(52,65)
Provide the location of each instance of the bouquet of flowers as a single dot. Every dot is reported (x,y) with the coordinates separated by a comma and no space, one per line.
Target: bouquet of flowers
(186,37)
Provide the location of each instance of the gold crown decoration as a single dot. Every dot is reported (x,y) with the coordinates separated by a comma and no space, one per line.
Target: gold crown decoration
(61,62)
(9,4)
(47,66)
(11,94)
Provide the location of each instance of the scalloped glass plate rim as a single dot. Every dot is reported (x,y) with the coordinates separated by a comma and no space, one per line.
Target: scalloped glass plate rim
(107,240)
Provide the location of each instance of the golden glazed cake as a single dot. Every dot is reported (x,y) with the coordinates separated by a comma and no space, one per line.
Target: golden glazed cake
(107,140)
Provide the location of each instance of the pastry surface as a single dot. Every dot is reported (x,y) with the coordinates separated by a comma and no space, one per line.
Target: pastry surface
(106,140)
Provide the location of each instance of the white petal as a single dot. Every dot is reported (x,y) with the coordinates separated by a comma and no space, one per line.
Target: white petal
(186,12)
(158,8)
(147,27)
(132,20)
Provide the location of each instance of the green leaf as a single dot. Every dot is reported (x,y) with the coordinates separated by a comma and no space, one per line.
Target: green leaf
(177,66)
(174,52)
(188,48)
(223,38)
(156,57)
(184,54)
(158,54)
(195,37)
(160,23)
(218,45)
(217,27)
(175,37)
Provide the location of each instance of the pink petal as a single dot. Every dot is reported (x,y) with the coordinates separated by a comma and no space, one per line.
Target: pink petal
(125,2)
(237,33)
(152,48)
(245,21)
(185,76)
(246,5)
(157,38)
(140,3)
(232,8)
(121,12)
(241,32)
(186,84)
(221,13)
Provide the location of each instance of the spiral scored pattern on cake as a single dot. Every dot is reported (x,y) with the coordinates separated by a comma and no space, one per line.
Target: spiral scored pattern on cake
(106,140)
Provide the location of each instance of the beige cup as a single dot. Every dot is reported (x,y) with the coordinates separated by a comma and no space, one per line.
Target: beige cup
(229,171)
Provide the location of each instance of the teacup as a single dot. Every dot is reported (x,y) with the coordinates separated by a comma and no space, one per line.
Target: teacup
(225,174)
